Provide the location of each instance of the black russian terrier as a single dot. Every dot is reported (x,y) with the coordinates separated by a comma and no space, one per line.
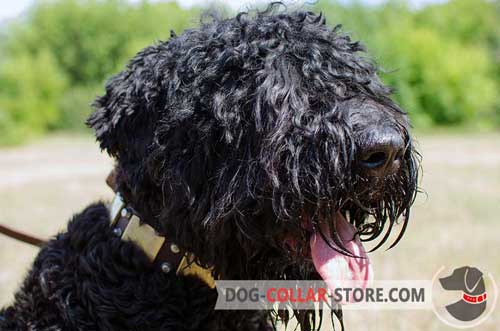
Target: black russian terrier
(258,147)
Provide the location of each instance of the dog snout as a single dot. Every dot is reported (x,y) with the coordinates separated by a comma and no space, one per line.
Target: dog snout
(381,152)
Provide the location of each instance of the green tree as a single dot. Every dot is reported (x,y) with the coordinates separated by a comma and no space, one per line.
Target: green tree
(439,81)
(30,87)
(55,60)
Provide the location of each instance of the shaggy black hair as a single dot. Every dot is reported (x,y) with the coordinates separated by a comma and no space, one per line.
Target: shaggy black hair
(227,135)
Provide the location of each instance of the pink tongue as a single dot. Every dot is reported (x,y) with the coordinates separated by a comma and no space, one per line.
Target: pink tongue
(336,269)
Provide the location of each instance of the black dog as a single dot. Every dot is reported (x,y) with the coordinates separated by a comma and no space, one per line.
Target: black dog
(258,146)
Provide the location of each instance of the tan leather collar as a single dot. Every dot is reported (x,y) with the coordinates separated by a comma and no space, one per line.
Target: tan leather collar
(161,251)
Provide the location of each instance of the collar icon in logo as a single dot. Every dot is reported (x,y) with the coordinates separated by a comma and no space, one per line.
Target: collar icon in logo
(473,302)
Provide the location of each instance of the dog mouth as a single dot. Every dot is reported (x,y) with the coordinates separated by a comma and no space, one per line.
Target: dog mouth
(338,254)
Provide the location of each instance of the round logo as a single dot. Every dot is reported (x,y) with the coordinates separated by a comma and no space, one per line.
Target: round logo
(463,297)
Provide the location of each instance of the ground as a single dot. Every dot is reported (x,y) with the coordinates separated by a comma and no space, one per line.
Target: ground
(454,223)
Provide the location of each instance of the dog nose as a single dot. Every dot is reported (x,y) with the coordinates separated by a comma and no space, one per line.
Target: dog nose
(381,152)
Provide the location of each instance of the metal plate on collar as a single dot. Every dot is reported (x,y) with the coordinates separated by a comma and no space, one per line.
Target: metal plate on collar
(115,208)
(193,269)
(144,236)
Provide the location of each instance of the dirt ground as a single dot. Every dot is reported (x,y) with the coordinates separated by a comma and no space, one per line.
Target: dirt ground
(454,223)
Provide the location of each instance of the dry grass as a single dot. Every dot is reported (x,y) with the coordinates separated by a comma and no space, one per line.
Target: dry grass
(455,223)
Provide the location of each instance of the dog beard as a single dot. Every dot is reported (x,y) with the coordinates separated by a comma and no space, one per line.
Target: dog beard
(336,242)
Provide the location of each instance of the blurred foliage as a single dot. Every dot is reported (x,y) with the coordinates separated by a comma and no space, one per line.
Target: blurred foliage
(30,86)
(55,60)
(443,60)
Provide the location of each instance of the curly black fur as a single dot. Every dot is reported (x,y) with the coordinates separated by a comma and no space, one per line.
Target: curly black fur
(225,137)
(89,279)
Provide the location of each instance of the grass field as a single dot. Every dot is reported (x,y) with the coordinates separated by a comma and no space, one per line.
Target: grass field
(455,223)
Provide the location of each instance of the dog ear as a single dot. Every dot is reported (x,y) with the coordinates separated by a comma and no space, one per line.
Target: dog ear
(472,278)
(107,113)
(124,117)
(110,112)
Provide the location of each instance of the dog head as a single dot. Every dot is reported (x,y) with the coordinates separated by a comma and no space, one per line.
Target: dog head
(262,143)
